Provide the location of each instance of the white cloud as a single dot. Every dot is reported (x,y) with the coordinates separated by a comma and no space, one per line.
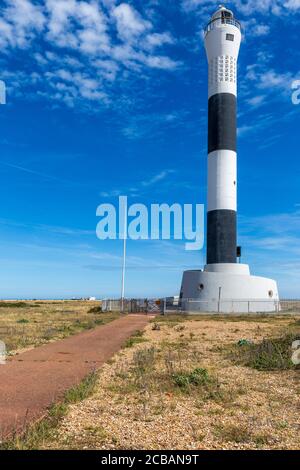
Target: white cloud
(156,178)
(279,224)
(292,4)
(158,39)
(21,21)
(70,86)
(111,193)
(104,42)
(260,30)
(275,80)
(161,62)
(106,69)
(130,24)
(100,42)
(145,125)
(248,7)
(267,82)
(262,6)
(253,28)
(244,130)
(140,187)
(270,79)
(257,100)
(77,25)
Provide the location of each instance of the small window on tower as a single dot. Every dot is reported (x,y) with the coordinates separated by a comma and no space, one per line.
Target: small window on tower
(230,37)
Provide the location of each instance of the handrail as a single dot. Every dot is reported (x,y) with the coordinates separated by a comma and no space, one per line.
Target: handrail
(223,21)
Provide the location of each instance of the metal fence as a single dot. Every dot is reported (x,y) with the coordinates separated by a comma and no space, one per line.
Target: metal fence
(230,306)
(292,306)
(171,305)
(132,305)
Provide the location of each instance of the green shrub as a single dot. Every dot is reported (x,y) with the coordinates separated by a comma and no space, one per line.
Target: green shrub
(196,377)
(238,433)
(97,309)
(134,340)
(143,360)
(270,354)
(13,304)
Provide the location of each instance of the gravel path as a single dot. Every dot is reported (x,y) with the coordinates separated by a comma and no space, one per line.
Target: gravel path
(32,381)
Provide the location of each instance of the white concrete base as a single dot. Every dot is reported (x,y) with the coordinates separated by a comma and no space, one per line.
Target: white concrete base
(227,288)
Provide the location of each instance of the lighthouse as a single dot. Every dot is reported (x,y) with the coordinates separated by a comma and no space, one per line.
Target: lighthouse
(222,43)
(224,285)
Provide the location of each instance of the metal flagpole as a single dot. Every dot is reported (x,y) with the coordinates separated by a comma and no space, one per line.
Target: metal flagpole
(124,260)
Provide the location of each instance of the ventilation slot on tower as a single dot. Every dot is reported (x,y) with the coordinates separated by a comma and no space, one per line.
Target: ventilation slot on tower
(222,69)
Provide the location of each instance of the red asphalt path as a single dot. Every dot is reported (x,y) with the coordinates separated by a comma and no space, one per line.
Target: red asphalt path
(33,381)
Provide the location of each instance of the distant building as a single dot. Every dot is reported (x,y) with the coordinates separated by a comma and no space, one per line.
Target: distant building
(172,301)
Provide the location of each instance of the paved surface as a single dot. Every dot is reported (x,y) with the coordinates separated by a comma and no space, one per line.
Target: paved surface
(32,381)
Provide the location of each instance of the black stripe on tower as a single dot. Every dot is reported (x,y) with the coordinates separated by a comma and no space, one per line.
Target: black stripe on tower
(221,236)
(222,122)
(221,223)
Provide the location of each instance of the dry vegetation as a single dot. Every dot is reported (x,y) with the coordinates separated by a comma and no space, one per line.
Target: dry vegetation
(190,384)
(24,325)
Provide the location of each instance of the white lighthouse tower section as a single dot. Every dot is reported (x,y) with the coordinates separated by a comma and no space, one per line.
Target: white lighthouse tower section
(222,49)
(222,180)
(224,286)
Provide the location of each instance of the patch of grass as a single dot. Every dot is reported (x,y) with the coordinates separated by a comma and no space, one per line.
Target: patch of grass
(157,370)
(269,354)
(179,345)
(197,377)
(242,434)
(96,432)
(136,338)
(261,439)
(97,309)
(13,304)
(37,434)
(82,391)
(133,341)
(282,424)
(170,320)
(138,333)
(89,325)
(144,360)
(204,385)
(51,321)
(295,324)
(175,319)
(238,433)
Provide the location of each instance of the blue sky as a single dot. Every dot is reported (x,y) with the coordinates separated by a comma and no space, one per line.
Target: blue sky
(107,98)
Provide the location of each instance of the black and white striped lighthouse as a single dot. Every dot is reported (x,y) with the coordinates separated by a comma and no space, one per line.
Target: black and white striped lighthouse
(222,43)
(223,285)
